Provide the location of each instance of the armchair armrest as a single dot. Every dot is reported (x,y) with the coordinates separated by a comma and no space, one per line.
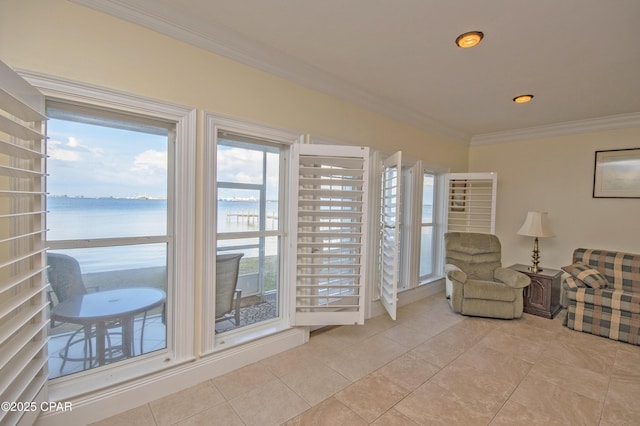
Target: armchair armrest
(454,273)
(513,279)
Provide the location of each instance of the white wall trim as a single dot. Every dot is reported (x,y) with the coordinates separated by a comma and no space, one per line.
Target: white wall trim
(230,44)
(572,127)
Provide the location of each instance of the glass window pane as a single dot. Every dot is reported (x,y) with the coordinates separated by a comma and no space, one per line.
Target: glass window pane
(258,280)
(105,182)
(239,165)
(238,210)
(427,199)
(77,218)
(108,178)
(108,305)
(426,230)
(248,186)
(426,251)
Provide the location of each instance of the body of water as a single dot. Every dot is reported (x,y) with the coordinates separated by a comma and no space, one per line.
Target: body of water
(71,218)
(94,218)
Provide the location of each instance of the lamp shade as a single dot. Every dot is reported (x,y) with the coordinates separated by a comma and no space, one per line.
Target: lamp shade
(536,225)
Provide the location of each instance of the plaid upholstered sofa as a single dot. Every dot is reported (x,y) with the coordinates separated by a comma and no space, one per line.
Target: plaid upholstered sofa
(602,290)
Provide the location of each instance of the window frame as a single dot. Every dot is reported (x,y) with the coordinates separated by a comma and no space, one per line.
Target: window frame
(180,262)
(412,174)
(432,225)
(213,123)
(119,241)
(439,219)
(260,234)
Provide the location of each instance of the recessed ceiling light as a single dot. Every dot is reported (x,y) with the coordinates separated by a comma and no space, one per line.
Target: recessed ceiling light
(469,39)
(522,99)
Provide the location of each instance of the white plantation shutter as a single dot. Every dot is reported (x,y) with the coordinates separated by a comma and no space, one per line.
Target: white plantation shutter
(329,225)
(390,232)
(471,202)
(23,316)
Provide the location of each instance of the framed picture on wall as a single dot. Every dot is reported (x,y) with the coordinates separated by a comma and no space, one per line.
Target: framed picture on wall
(617,174)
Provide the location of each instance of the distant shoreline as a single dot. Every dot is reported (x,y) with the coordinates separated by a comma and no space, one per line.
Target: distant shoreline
(148,197)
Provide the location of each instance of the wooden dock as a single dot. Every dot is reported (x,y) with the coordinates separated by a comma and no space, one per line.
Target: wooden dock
(250,217)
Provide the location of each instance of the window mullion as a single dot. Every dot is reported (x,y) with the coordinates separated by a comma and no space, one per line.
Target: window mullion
(107,242)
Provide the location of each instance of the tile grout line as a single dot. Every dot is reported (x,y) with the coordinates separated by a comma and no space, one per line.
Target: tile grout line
(606,395)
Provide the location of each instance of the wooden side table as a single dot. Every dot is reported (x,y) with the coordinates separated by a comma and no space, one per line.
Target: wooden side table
(542,296)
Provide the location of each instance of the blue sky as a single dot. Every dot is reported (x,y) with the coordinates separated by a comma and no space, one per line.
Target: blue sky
(95,161)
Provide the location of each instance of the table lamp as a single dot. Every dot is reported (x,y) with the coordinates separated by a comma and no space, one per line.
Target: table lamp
(536,225)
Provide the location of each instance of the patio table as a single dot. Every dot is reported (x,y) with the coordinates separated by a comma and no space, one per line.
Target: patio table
(108,306)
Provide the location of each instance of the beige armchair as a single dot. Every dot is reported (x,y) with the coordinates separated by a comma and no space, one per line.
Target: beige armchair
(476,282)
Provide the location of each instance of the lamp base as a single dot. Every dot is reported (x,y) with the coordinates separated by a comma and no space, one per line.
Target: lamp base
(536,258)
(535,269)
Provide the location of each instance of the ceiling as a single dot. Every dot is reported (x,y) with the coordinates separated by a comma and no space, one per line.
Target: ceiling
(399,57)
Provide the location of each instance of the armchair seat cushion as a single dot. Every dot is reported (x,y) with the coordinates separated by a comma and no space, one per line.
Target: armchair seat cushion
(488,290)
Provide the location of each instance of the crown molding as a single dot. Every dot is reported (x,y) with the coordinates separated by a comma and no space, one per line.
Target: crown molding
(228,43)
(571,127)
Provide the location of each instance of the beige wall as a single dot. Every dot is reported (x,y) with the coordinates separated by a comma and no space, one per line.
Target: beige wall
(67,40)
(556,175)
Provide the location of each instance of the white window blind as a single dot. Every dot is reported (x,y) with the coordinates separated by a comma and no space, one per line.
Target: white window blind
(23,316)
(390,232)
(328,232)
(471,202)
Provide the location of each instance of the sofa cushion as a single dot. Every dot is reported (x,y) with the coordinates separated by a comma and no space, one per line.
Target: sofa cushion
(612,299)
(603,321)
(588,275)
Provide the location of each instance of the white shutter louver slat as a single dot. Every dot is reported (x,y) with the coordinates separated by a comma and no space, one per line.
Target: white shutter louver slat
(23,319)
(329,235)
(19,130)
(471,202)
(19,151)
(389,233)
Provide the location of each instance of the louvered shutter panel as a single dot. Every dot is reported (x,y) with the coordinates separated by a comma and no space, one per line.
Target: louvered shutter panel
(471,202)
(23,316)
(328,232)
(390,233)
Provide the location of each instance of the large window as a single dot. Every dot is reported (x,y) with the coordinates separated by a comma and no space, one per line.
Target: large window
(245,197)
(248,223)
(110,235)
(427,227)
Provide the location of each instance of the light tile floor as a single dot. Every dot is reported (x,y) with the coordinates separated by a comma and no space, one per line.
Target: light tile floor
(429,367)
